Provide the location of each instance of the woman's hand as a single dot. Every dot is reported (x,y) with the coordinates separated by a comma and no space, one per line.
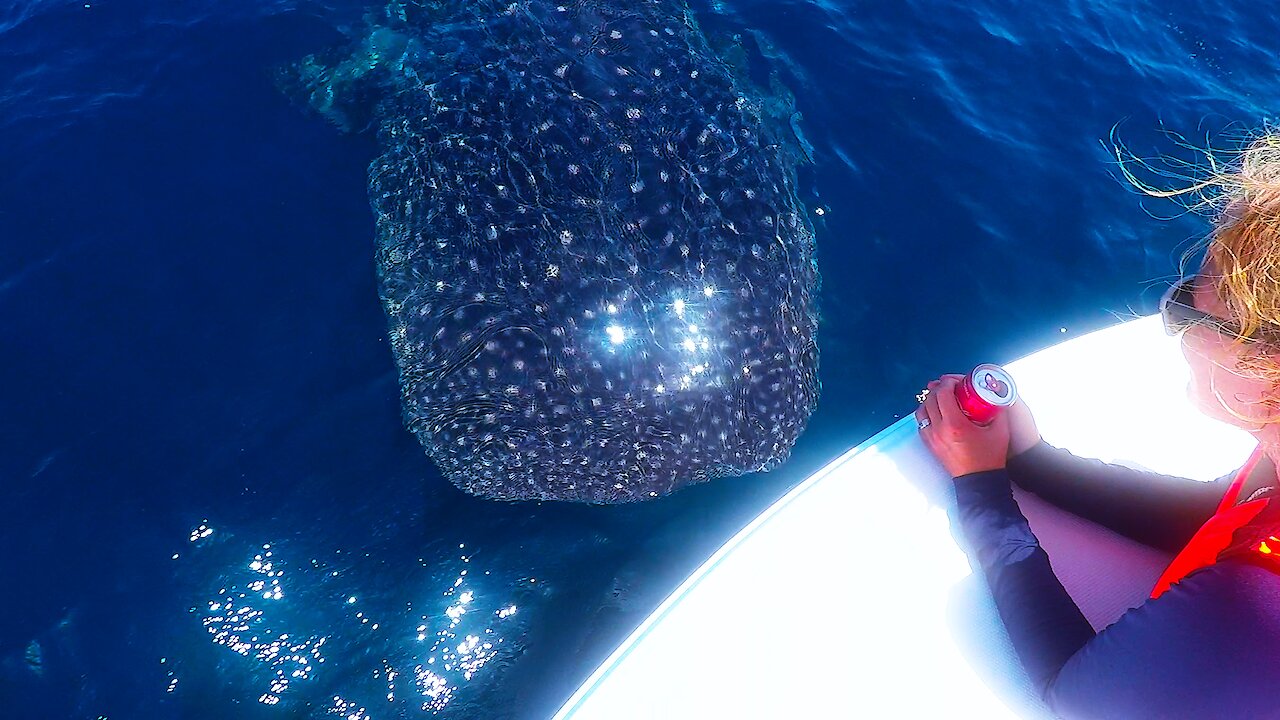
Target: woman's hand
(1023,433)
(961,445)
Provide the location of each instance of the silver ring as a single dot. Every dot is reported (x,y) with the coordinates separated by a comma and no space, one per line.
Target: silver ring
(923,423)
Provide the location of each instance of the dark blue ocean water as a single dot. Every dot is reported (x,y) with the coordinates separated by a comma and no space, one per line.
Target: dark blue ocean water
(190,337)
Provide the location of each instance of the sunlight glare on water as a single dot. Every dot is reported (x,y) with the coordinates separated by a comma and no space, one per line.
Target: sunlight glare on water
(438,651)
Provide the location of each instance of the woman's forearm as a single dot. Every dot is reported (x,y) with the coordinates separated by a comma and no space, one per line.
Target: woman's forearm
(1162,511)
(1044,623)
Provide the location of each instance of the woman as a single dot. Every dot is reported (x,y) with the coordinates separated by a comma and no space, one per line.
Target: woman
(1207,643)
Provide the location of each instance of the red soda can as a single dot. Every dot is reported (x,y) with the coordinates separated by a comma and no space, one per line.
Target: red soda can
(984,392)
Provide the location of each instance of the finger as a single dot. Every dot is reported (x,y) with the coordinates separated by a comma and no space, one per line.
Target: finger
(931,406)
(924,433)
(946,405)
(922,413)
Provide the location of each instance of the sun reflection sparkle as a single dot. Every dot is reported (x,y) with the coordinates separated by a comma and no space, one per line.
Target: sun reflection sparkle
(431,655)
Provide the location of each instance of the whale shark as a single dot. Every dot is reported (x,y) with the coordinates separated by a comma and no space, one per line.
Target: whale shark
(599,278)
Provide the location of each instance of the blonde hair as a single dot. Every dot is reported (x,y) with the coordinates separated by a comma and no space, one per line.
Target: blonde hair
(1240,189)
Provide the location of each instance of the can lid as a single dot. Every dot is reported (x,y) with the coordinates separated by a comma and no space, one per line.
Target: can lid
(994,385)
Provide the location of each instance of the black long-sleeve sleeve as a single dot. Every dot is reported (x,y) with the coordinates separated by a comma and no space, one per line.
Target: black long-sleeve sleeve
(1044,623)
(1203,649)
(1162,511)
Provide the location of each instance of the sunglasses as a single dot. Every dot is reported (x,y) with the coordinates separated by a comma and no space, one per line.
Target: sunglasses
(1179,313)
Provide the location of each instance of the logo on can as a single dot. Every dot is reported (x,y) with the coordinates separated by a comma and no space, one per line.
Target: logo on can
(985,392)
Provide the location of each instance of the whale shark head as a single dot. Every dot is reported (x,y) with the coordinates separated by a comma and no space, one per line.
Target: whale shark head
(599,280)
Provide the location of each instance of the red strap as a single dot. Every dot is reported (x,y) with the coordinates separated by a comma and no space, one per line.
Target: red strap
(1215,535)
(1233,492)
